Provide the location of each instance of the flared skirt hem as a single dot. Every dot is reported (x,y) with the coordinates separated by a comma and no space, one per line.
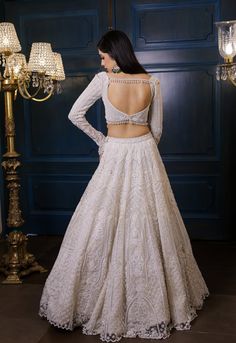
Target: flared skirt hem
(161,330)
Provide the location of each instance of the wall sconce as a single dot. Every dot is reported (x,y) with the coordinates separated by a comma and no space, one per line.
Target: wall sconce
(227,49)
(36,80)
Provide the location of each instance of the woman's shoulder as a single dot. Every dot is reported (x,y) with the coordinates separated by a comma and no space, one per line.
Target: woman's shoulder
(102,75)
(154,79)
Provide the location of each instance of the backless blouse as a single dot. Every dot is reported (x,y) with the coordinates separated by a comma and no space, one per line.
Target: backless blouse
(152,115)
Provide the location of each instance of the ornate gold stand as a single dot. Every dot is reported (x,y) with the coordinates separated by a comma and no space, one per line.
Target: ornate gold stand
(17,262)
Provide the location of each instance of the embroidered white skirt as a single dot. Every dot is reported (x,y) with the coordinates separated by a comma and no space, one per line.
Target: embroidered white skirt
(125,267)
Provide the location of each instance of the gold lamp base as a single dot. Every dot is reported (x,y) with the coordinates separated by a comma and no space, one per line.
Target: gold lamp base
(18,262)
(17,76)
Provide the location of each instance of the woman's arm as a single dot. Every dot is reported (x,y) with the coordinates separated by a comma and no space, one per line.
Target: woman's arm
(155,117)
(77,113)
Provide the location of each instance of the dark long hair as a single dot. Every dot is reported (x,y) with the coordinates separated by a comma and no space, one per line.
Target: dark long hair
(118,46)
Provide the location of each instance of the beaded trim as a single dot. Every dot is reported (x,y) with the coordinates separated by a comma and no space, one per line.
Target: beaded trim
(124,80)
(125,121)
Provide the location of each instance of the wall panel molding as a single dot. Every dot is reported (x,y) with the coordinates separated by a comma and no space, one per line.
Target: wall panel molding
(55,194)
(83,26)
(174,25)
(67,141)
(191,106)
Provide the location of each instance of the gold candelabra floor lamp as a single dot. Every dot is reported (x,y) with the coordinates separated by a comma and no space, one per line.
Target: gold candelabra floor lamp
(36,80)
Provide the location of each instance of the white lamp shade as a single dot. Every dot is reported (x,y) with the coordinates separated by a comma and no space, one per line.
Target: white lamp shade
(41,59)
(59,71)
(9,41)
(16,63)
(227,39)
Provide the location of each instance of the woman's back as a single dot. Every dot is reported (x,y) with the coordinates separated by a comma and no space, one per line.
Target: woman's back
(128,93)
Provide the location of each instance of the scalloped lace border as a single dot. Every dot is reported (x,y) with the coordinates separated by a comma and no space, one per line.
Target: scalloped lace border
(160,331)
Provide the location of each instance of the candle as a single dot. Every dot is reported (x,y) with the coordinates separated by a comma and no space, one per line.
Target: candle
(228,49)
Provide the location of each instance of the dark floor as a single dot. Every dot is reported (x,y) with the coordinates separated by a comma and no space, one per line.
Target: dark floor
(216,323)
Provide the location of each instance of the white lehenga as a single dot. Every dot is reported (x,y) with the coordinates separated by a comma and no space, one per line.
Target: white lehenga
(125,267)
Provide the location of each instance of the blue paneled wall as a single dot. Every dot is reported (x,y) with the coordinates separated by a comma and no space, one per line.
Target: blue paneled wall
(177,42)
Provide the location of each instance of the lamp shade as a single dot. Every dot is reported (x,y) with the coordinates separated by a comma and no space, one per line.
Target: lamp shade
(9,41)
(41,59)
(59,74)
(227,39)
(16,64)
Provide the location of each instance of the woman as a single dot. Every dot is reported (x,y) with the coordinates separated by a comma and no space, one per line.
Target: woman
(125,267)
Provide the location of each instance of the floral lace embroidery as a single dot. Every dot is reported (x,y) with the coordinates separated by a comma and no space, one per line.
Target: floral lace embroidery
(125,267)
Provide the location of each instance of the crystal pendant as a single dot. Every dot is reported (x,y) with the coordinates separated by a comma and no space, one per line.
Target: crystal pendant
(218,73)
(224,74)
(233,72)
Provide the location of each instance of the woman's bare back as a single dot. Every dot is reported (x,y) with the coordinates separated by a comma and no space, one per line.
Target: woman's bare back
(129,98)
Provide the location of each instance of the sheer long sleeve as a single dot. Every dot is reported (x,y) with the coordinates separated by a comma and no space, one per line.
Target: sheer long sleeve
(77,113)
(155,118)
